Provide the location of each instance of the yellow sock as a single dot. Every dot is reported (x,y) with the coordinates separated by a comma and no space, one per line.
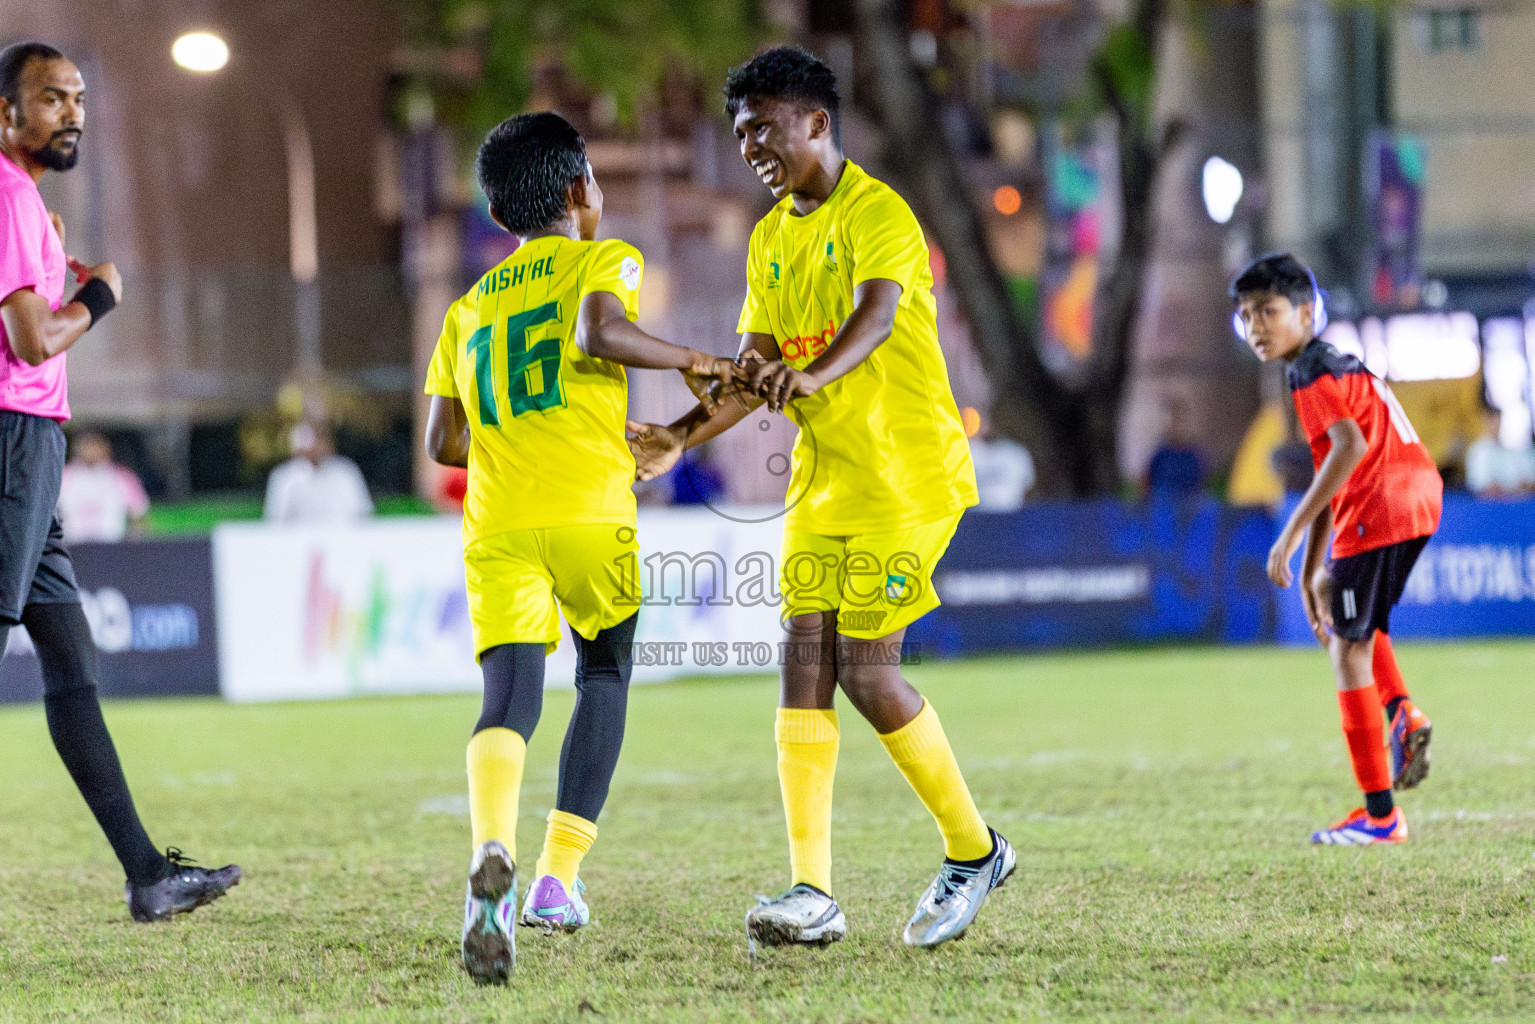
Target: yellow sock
(807,766)
(922,752)
(565,843)
(495,759)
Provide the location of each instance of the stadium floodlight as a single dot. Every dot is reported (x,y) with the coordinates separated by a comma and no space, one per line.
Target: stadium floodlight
(1222,187)
(200,51)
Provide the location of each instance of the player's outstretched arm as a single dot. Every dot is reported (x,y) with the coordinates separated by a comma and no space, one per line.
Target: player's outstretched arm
(605,332)
(869,325)
(447,432)
(1348,449)
(657,448)
(38,333)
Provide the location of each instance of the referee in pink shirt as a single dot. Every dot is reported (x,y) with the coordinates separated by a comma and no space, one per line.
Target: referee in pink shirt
(42,113)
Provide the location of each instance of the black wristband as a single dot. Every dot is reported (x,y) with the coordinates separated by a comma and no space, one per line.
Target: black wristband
(96,296)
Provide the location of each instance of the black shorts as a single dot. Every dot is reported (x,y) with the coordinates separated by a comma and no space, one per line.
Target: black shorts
(34,563)
(1366,586)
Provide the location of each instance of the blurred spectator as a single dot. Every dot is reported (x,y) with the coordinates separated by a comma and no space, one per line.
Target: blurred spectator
(1004,472)
(99,500)
(449,487)
(1177,467)
(316,485)
(1493,469)
(696,480)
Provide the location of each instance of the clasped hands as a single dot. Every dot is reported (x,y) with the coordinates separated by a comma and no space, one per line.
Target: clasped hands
(712,379)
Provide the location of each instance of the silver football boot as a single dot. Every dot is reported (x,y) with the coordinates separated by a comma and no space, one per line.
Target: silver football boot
(956,895)
(802,916)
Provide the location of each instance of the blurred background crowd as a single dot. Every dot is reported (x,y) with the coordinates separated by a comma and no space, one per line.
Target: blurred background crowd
(290,200)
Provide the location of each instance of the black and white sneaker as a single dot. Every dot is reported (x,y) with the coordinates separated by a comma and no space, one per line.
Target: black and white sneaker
(803,916)
(185,889)
(956,895)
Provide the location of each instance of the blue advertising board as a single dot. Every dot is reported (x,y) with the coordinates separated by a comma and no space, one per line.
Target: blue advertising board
(150,608)
(1102,572)
(1475,578)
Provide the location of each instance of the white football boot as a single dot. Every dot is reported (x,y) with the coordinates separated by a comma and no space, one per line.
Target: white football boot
(956,895)
(802,916)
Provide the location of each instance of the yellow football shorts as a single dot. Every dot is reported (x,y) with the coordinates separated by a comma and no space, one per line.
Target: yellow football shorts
(876,582)
(515,581)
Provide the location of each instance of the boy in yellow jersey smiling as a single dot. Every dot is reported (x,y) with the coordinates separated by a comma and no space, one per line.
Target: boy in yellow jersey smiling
(529,393)
(840,333)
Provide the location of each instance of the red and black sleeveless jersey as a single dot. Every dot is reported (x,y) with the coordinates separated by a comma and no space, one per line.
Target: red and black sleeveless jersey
(1395,492)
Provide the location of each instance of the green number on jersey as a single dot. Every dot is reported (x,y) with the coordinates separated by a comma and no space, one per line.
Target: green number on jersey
(536,366)
(533,371)
(479,343)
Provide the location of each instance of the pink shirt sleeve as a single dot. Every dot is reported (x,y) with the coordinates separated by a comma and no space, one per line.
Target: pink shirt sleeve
(22,233)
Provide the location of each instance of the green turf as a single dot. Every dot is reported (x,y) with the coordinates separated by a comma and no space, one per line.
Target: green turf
(1159,800)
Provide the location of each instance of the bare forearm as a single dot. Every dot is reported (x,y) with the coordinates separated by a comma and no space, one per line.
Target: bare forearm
(624,343)
(1317,536)
(863,332)
(702,425)
(38,338)
(1340,462)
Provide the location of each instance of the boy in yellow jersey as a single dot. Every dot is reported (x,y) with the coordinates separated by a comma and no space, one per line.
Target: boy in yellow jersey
(529,392)
(840,333)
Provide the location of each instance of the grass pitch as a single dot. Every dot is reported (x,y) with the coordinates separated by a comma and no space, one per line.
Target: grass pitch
(1160,802)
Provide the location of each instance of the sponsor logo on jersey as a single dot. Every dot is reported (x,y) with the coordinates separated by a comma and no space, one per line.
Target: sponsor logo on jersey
(629,272)
(808,346)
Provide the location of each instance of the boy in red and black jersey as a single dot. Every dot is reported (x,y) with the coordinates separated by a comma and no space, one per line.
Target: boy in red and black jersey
(1377,495)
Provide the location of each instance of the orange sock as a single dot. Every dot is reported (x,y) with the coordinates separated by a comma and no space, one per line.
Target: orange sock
(1366,738)
(1388,677)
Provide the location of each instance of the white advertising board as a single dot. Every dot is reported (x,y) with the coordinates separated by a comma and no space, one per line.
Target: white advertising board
(379,607)
(338,611)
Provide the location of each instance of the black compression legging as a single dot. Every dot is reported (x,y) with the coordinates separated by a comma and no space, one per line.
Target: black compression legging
(514,699)
(67,656)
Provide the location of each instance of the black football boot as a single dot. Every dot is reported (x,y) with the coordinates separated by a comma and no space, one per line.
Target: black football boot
(186,888)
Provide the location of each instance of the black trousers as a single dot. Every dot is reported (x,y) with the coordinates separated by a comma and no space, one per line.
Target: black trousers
(35,567)
(38,590)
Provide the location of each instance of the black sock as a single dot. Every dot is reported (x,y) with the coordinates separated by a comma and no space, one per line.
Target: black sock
(596,732)
(514,688)
(1391,706)
(979,860)
(68,659)
(1379,804)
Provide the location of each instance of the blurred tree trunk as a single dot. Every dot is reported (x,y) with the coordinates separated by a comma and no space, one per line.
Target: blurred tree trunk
(1125,74)
(1071,428)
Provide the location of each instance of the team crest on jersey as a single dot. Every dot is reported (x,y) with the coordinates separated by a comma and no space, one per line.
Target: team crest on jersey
(831,255)
(773,274)
(629,272)
(895,587)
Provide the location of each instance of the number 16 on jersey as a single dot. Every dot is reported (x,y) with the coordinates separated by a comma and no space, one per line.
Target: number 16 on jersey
(533,366)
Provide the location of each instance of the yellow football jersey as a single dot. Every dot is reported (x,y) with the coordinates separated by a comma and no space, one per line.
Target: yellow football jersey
(546,422)
(881,448)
